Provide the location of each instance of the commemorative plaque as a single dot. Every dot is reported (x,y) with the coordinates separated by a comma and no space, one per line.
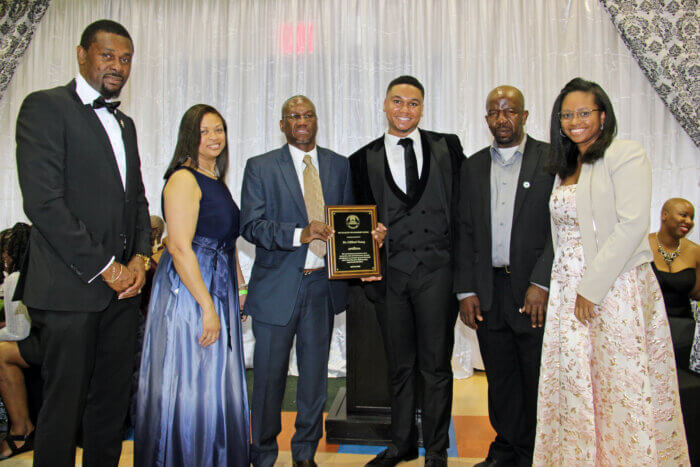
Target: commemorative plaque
(352,250)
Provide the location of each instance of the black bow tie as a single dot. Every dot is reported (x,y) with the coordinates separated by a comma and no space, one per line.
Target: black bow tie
(101,102)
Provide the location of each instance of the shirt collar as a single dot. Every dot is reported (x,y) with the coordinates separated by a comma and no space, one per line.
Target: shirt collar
(86,93)
(496,154)
(393,140)
(298,156)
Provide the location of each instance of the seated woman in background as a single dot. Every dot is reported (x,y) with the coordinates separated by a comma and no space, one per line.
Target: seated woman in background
(17,320)
(157,240)
(12,385)
(677,267)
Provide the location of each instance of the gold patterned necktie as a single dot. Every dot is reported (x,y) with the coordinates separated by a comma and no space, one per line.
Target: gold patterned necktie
(313,199)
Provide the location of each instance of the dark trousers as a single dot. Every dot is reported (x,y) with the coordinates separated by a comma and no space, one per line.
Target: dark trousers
(86,362)
(417,323)
(312,324)
(511,349)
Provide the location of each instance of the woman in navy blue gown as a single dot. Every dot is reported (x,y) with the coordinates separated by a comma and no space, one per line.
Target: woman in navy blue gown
(192,406)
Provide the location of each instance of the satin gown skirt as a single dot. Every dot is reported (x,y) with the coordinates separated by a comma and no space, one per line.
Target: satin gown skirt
(192,406)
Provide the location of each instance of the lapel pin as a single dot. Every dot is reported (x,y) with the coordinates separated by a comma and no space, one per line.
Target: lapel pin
(122,124)
(526,184)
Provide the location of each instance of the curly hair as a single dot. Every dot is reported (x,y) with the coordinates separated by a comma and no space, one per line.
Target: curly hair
(14,242)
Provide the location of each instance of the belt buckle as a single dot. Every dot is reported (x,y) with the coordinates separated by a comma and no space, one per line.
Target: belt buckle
(507,268)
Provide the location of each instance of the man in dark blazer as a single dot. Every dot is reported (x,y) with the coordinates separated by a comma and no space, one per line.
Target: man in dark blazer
(504,258)
(412,177)
(80,177)
(289,291)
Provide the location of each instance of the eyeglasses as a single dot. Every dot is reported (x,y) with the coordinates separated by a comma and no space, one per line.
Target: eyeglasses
(581,114)
(296,117)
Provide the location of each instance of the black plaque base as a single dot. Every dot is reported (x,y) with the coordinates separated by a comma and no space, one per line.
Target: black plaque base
(373,430)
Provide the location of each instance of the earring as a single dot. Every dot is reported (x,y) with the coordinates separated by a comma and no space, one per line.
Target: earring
(602,125)
(562,133)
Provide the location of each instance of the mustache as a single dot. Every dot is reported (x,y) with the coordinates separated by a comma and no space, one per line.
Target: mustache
(116,75)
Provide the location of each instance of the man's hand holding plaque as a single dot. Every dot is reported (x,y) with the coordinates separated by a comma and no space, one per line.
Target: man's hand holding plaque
(379,234)
(316,230)
(353,248)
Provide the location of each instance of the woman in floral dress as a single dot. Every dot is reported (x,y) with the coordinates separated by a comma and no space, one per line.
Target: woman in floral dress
(608,391)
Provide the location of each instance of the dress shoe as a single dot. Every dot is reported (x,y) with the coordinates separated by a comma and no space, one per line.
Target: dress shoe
(436,459)
(305,463)
(488,462)
(390,457)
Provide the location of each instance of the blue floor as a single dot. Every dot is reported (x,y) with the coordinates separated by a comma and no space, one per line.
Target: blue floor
(374,450)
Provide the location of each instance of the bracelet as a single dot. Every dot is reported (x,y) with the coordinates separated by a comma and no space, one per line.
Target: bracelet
(146,261)
(114,279)
(242,292)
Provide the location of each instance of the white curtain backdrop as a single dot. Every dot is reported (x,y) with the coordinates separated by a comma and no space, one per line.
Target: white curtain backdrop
(246,57)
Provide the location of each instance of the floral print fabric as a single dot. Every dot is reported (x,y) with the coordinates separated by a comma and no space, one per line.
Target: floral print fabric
(695,351)
(608,391)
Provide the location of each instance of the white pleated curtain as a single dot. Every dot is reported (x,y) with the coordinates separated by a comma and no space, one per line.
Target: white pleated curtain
(245,57)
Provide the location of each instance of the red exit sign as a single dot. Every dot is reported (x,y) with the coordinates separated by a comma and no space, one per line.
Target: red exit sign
(297,38)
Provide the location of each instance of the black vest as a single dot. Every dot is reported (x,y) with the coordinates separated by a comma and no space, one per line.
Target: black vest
(418,228)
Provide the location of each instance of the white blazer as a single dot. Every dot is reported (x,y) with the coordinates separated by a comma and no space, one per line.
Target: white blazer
(613,203)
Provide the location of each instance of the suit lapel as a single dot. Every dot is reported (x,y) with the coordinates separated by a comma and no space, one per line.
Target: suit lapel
(483,181)
(94,124)
(130,150)
(440,153)
(289,174)
(525,179)
(375,168)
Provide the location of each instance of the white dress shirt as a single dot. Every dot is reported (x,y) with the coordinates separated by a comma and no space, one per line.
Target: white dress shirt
(87,95)
(109,121)
(312,261)
(394,155)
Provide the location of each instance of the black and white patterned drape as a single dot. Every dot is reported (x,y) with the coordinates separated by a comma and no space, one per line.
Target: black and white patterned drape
(18,20)
(664,37)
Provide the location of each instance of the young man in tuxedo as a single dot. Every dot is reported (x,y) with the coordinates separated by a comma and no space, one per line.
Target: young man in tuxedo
(504,258)
(80,176)
(412,176)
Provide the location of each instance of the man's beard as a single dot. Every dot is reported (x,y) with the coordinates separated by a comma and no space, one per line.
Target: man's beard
(111,93)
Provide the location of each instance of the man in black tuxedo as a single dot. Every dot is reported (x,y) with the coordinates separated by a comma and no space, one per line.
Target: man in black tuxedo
(412,177)
(80,177)
(504,259)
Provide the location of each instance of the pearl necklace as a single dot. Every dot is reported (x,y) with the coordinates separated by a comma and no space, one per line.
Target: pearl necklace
(668,256)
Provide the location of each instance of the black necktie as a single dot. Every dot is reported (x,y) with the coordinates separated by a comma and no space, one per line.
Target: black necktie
(101,102)
(409,161)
